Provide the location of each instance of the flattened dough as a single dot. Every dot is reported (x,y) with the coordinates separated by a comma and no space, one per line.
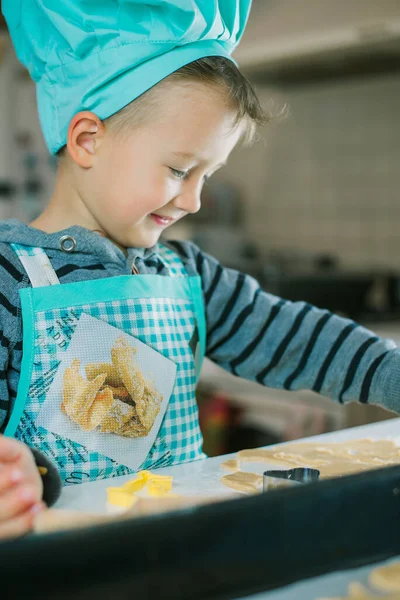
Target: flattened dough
(386,578)
(243,482)
(362,596)
(332,459)
(357,591)
(230,465)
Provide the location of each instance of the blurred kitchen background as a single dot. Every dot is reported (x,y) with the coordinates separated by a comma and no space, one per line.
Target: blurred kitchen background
(312,209)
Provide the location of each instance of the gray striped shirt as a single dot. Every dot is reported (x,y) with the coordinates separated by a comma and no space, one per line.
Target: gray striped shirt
(250,333)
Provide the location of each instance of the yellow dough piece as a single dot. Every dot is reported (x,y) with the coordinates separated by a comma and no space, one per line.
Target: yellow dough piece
(134,485)
(161,477)
(159,488)
(230,465)
(146,475)
(118,497)
(157,485)
(254,455)
(386,578)
(243,482)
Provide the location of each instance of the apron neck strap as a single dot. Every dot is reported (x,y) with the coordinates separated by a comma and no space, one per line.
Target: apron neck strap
(36,264)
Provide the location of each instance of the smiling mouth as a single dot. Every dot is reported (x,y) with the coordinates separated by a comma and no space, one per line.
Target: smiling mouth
(162,221)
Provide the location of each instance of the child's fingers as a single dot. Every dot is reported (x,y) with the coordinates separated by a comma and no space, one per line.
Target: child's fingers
(10,449)
(17,500)
(20,524)
(9,476)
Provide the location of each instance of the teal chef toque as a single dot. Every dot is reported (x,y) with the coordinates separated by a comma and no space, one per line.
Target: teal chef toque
(99,55)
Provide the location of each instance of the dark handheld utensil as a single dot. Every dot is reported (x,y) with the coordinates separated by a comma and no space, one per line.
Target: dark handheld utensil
(288,477)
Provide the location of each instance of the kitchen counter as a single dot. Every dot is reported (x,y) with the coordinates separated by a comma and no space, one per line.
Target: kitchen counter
(204,477)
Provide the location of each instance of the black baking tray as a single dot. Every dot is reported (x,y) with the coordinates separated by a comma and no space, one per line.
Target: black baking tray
(225,550)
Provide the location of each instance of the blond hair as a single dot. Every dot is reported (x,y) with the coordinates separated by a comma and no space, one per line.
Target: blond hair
(215,71)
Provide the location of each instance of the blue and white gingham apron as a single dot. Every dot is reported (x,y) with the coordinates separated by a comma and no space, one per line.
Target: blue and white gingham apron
(165,313)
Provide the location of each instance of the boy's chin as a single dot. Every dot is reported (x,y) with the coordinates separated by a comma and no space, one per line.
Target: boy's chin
(140,241)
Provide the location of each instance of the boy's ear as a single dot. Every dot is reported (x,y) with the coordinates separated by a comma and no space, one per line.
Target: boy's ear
(85,133)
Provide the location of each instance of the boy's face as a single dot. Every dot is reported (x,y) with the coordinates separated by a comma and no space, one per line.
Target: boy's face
(145,180)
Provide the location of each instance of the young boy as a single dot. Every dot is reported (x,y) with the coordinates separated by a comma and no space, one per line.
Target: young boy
(103,326)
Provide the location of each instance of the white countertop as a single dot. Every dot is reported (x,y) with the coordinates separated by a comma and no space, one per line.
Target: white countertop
(204,477)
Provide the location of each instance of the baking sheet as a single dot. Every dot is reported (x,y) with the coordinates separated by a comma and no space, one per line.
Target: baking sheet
(205,476)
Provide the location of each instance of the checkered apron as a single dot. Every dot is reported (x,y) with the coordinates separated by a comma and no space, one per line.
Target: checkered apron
(165,314)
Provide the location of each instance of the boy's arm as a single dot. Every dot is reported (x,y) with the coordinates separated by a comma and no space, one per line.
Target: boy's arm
(289,345)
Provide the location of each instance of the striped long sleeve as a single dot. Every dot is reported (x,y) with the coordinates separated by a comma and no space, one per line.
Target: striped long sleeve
(10,333)
(251,333)
(292,345)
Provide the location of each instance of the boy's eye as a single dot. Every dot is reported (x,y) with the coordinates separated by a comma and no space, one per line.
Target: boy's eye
(179,174)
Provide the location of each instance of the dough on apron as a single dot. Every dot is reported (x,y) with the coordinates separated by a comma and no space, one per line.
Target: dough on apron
(243,482)
(386,578)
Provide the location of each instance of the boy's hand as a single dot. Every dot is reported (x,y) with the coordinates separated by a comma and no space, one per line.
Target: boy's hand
(21,488)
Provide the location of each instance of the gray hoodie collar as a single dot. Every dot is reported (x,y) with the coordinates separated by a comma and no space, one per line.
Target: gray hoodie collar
(87,242)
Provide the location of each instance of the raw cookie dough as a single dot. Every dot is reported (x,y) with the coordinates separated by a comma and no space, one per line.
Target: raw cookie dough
(230,465)
(243,482)
(386,578)
(357,591)
(332,459)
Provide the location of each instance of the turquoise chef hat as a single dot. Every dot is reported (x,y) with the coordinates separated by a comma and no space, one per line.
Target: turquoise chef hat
(99,55)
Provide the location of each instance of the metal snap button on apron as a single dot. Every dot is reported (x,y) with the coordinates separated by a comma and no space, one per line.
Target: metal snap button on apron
(67,243)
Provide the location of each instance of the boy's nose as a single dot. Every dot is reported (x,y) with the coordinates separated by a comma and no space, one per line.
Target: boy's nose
(190,199)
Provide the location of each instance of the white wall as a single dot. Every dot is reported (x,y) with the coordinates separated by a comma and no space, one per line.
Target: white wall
(328,178)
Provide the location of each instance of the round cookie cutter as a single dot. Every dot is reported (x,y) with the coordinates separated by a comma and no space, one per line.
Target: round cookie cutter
(288,477)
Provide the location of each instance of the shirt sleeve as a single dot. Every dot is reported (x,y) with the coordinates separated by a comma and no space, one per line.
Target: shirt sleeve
(4,393)
(292,345)
(11,279)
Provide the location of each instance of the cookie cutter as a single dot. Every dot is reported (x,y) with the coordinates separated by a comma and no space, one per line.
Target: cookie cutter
(288,477)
